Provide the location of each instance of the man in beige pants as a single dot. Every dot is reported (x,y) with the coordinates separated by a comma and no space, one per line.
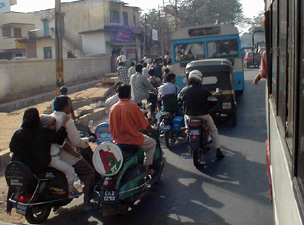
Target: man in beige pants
(125,121)
(194,98)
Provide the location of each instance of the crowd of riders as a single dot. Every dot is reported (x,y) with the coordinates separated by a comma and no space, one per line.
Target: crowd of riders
(51,140)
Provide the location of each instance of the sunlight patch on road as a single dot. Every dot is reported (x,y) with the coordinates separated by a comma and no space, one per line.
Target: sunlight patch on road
(187,181)
(181,219)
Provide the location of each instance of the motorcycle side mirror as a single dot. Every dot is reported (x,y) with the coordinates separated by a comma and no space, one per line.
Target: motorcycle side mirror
(218,91)
(144,101)
(90,124)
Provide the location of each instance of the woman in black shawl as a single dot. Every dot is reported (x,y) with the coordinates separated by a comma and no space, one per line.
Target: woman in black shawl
(31,143)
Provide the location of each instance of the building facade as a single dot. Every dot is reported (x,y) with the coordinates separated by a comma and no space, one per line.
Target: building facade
(91,27)
(14,29)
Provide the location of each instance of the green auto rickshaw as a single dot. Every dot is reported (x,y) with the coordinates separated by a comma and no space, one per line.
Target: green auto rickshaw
(218,79)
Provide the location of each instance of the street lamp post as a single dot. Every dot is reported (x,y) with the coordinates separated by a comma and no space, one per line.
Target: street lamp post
(58,46)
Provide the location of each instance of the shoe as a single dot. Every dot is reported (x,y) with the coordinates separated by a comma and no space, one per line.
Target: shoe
(75,194)
(219,155)
(89,208)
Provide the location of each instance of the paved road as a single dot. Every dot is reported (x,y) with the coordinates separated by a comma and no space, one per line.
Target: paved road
(233,191)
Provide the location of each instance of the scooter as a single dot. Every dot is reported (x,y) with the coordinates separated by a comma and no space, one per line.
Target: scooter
(124,181)
(35,195)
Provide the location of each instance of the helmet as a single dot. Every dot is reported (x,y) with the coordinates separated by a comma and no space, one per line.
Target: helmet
(195,75)
(63,90)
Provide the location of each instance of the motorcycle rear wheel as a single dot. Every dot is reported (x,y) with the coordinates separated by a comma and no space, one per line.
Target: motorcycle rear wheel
(37,214)
(169,139)
(197,158)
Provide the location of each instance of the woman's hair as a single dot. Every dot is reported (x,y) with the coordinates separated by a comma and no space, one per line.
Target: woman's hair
(124,91)
(31,118)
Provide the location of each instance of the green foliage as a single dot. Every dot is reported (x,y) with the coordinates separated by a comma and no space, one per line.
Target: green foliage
(256,23)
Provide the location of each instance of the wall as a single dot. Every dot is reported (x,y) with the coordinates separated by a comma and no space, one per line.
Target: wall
(94,43)
(33,76)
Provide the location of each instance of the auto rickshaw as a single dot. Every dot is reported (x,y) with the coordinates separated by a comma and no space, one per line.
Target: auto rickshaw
(218,79)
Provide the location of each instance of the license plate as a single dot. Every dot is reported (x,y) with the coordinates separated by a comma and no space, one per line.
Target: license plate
(21,209)
(109,196)
(195,132)
(166,127)
(227,105)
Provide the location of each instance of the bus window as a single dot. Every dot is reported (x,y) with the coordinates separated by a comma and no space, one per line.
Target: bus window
(222,49)
(190,51)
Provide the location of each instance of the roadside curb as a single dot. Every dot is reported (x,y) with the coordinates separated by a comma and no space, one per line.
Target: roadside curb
(23,103)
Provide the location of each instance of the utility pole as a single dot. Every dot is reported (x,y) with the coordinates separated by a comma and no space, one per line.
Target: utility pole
(145,27)
(58,46)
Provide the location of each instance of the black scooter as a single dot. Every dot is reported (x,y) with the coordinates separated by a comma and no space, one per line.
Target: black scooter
(34,195)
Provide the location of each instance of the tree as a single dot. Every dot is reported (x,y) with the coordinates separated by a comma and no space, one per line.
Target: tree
(256,23)
(199,12)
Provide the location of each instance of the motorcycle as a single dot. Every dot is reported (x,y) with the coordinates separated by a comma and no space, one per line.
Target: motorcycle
(124,180)
(199,137)
(172,126)
(34,195)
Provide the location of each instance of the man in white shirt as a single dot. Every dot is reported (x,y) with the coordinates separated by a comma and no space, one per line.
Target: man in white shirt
(121,57)
(131,70)
(145,70)
(84,170)
(114,98)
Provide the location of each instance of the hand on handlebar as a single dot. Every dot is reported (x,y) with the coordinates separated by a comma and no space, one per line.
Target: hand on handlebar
(92,138)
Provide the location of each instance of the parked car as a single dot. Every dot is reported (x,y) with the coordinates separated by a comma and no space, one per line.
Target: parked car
(252,59)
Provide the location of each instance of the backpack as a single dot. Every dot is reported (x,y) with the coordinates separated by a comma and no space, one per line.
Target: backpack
(170,103)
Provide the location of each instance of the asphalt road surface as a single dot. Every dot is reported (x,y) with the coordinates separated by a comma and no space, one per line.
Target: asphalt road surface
(233,191)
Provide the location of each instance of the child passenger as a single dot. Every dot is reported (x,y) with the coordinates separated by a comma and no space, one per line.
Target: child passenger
(50,122)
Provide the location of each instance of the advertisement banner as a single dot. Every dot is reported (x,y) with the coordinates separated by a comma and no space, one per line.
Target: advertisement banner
(154,35)
(5,6)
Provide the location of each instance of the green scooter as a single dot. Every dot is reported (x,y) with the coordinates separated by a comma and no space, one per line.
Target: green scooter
(124,181)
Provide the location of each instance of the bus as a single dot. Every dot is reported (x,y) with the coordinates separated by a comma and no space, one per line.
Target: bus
(284,34)
(203,42)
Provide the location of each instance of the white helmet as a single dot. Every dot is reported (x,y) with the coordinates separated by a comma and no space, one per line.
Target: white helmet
(196,75)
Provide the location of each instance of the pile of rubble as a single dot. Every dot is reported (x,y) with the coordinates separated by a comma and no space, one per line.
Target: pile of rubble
(88,105)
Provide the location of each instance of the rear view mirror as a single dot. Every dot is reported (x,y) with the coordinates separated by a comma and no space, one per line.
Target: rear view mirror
(218,91)
(144,101)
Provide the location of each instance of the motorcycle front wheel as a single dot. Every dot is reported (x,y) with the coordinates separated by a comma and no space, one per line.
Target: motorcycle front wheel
(37,214)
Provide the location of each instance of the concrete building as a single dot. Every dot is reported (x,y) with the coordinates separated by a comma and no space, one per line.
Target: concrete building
(90,27)
(14,28)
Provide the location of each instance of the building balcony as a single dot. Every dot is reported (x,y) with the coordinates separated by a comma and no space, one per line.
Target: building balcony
(11,43)
(39,33)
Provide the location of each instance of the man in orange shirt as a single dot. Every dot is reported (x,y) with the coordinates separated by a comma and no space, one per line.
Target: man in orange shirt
(125,121)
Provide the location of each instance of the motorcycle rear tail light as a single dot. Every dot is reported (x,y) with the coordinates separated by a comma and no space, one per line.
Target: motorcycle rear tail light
(194,125)
(166,120)
(20,198)
(109,182)
(25,198)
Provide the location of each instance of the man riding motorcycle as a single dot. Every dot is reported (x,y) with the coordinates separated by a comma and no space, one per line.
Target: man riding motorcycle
(125,121)
(194,98)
